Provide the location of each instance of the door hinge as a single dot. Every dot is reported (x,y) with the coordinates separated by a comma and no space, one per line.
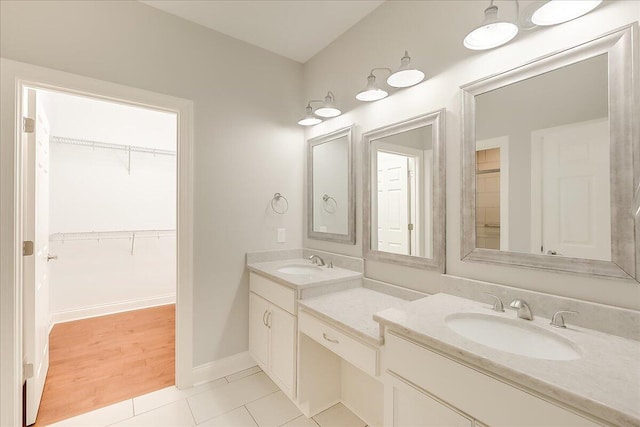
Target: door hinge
(27,371)
(28,125)
(27,248)
(410,227)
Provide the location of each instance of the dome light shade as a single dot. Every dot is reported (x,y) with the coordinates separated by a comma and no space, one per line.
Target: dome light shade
(405,76)
(309,119)
(329,109)
(493,32)
(372,92)
(558,11)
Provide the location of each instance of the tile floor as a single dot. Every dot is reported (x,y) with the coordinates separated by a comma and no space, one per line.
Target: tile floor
(245,399)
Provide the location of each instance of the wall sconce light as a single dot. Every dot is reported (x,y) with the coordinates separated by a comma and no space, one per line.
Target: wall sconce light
(309,119)
(327,110)
(494,32)
(372,92)
(405,76)
(558,11)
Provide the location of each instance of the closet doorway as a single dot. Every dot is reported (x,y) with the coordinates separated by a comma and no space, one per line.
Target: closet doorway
(100,203)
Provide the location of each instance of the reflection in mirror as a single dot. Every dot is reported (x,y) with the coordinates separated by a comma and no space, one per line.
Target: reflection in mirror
(404,193)
(330,188)
(542,164)
(548,157)
(401,193)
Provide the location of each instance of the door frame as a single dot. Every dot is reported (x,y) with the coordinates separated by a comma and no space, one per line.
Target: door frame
(14,77)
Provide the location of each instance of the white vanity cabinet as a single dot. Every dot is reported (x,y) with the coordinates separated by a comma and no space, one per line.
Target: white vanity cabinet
(272,330)
(425,388)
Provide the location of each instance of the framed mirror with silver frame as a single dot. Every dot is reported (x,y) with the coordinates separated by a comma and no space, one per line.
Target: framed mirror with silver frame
(404,193)
(548,156)
(330,187)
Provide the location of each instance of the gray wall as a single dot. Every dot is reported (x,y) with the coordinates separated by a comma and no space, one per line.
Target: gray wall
(247,144)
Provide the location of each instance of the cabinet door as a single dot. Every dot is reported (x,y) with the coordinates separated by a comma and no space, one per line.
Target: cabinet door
(283,344)
(258,330)
(408,406)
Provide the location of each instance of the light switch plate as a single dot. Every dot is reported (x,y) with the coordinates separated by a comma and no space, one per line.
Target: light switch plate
(282,235)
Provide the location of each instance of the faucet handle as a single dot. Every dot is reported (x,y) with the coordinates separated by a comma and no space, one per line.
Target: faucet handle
(557,321)
(497,304)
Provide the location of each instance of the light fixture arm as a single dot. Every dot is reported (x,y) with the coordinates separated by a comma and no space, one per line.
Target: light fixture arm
(378,69)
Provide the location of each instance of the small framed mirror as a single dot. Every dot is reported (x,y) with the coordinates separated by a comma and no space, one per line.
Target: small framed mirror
(548,162)
(330,187)
(404,193)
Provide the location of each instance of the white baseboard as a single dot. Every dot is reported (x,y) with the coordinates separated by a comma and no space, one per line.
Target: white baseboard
(102,310)
(221,368)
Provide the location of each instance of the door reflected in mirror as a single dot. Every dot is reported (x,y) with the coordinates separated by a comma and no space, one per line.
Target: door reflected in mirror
(401,193)
(542,164)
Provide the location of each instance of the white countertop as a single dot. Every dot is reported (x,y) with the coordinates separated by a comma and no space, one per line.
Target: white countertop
(323,277)
(604,382)
(353,310)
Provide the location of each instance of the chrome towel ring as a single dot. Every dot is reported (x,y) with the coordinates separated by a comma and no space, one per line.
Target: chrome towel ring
(276,204)
(332,206)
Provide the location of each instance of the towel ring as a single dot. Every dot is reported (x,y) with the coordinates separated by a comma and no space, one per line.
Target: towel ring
(276,198)
(326,203)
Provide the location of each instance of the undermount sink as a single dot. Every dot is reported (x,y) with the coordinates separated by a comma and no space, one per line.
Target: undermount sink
(512,336)
(299,269)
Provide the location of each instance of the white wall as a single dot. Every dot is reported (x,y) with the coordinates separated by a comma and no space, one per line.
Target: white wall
(247,143)
(433,32)
(92,191)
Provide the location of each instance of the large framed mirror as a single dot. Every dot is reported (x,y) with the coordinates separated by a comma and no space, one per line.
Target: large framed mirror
(404,193)
(330,187)
(548,162)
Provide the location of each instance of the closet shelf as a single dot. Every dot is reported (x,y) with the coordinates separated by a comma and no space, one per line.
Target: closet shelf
(110,235)
(109,146)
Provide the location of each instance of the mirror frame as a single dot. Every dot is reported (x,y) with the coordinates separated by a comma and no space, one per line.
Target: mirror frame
(350,237)
(620,47)
(436,120)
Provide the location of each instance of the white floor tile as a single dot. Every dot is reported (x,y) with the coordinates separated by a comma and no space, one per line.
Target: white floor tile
(338,416)
(301,421)
(204,387)
(273,410)
(175,414)
(156,399)
(239,417)
(100,417)
(217,401)
(242,374)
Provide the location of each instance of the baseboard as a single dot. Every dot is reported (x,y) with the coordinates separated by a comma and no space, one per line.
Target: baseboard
(102,310)
(221,368)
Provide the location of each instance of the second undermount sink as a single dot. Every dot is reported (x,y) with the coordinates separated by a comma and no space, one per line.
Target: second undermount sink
(513,336)
(299,269)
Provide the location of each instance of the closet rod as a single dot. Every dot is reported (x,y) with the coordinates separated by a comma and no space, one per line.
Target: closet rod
(109,235)
(109,146)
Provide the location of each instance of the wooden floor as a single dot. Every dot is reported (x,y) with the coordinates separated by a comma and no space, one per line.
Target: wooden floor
(103,360)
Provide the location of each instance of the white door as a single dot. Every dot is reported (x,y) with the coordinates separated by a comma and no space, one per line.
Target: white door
(258,330)
(283,336)
(36,316)
(575,191)
(393,203)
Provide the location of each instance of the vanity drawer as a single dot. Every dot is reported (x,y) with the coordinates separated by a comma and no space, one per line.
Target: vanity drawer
(280,295)
(357,353)
(487,399)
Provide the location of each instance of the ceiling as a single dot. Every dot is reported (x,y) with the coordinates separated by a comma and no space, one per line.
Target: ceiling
(296,29)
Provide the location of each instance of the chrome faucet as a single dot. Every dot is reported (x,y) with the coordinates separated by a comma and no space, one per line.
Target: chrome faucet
(524,311)
(315,259)
(558,319)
